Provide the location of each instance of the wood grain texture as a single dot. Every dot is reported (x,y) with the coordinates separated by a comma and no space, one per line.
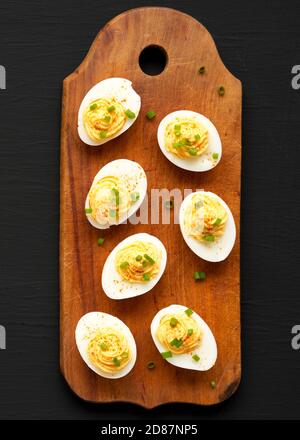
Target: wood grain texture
(115,52)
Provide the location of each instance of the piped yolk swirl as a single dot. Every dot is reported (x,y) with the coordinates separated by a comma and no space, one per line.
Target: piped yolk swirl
(186,138)
(179,333)
(103,118)
(109,350)
(138,262)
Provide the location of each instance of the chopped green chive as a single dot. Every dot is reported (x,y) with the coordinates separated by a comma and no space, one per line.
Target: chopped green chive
(210,238)
(150,114)
(201,71)
(138,258)
(129,114)
(125,355)
(93,107)
(112,213)
(117,195)
(177,127)
(199,204)
(135,196)
(88,210)
(215,155)
(188,142)
(103,134)
(217,222)
(169,204)
(150,365)
(100,241)
(146,277)
(188,312)
(124,265)
(111,108)
(166,354)
(199,276)
(221,90)
(190,331)
(107,119)
(179,144)
(103,346)
(149,259)
(192,151)
(116,362)
(176,342)
(213,384)
(196,358)
(173,322)
(145,263)
(197,137)
(177,133)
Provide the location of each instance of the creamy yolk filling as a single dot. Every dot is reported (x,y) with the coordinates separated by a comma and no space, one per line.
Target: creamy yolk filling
(103,118)
(109,200)
(179,333)
(205,218)
(138,262)
(186,138)
(109,350)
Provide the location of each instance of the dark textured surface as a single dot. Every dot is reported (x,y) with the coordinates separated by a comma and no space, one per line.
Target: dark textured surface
(40,44)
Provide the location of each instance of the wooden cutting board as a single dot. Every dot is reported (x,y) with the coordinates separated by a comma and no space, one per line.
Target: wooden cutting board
(115,53)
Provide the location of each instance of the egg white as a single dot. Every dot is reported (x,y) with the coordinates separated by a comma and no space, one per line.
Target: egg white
(207,350)
(119,168)
(119,88)
(114,286)
(210,251)
(87,328)
(205,161)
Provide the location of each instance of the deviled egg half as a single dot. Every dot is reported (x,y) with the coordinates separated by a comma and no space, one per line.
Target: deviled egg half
(134,266)
(105,344)
(117,192)
(207,225)
(183,338)
(189,140)
(107,110)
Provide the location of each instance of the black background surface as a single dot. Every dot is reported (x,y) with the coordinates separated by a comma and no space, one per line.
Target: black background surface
(40,44)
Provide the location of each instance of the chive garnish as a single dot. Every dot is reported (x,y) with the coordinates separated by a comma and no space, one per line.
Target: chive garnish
(209,237)
(199,276)
(197,137)
(196,358)
(217,222)
(201,70)
(192,151)
(150,114)
(138,258)
(179,144)
(146,277)
(107,119)
(149,259)
(177,133)
(190,331)
(111,108)
(117,196)
(176,342)
(125,355)
(124,265)
(169,204)
(103,346)
(199,204)
(221,90)
(135,196)
(166,354)
(151,365)
(215,155)
(93,106)
(188,312)
(177,127)
(103,134)
(188,142)
(112,213)
(213,384)
(129,114)
(100,241)
(88,210)
(173,322)
(116,362)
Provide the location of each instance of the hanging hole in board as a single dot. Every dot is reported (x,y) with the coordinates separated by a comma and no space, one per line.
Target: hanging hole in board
(153,60)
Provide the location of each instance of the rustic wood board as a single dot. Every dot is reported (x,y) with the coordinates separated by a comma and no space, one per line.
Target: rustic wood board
(115,52)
